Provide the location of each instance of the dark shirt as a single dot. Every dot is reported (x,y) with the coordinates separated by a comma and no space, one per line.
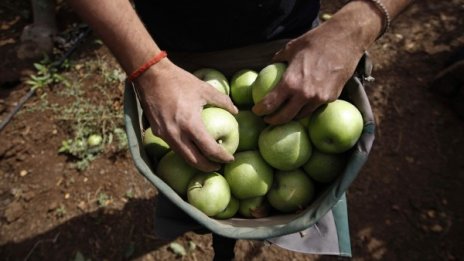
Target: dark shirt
(206,25)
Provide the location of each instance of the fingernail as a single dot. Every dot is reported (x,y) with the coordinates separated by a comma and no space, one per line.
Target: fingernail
(232,158)
(256,110)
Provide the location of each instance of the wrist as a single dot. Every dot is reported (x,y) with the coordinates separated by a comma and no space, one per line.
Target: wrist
(360,21)
(146,65)
(149,78)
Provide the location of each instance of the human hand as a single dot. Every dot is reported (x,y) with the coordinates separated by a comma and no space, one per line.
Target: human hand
(172,100)
(320,62)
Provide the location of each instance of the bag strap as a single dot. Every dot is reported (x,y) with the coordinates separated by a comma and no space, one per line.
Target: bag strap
(364,69)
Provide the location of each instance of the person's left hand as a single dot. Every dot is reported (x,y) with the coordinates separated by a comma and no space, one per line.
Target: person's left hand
(320,62)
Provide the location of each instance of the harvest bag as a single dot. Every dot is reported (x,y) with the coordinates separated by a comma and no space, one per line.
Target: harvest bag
(275,229)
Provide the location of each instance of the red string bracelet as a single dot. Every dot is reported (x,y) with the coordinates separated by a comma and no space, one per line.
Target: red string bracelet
(158,57)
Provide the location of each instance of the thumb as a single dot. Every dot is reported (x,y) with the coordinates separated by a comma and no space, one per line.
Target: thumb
(282,55)
(279,56)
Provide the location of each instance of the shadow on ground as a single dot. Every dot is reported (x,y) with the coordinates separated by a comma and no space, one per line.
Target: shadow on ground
(98,235)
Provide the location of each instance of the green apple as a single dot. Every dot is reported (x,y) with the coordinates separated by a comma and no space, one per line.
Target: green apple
(230,211)
(248,175)
(256,207)
(215,78)
(94,140)
(223,126)
(154,145)
(335,127)
(176,172)
(267,79)
(285,146)
(304,121)
(209,192)
(291,191)
(324,167)
(249,126)
(240,87)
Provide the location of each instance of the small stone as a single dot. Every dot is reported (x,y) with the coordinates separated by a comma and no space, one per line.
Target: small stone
(23,173)
(16,192)
(53,205)
(13,212)
(431,213)
(436,228)
(410,47)
(78,66)
(410,159)
(28,195)
(82,206)
(66,196)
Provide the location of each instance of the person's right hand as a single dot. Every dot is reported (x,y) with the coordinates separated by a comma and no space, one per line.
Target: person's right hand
(172,100)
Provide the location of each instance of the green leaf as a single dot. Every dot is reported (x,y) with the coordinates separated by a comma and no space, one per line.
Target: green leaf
(191,245)
(40,67)
(177,249)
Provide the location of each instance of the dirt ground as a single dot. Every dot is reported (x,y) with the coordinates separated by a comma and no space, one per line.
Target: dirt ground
(406,204)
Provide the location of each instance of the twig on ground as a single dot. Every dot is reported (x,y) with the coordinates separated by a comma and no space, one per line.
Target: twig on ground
(53,240)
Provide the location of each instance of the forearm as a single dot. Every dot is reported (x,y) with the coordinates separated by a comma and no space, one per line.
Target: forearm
(363,21)
(120,28)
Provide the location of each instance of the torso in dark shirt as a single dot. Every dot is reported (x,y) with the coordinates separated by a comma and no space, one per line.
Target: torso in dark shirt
(206,25)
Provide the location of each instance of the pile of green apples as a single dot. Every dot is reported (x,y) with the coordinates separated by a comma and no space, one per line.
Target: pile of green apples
(277,168)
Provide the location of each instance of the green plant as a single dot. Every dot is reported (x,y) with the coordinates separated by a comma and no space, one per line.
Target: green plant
(103,199)
(129,194)
(60,212)
(89,119)
(180,251)
(89,110)
(45,75)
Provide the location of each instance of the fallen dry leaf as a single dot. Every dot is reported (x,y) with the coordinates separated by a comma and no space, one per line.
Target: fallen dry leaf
(7,41)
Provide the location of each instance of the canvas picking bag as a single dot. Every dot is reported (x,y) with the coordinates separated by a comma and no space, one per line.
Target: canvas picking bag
(274,228)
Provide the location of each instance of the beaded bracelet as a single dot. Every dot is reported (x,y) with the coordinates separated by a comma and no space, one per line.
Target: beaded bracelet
(386,16)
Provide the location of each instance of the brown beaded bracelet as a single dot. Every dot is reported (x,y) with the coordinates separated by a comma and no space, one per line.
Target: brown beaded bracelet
(386,16)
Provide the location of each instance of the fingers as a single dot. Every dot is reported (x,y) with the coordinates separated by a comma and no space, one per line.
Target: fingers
(306,110)
(203,152)
(284,53)
(210,147)
(287,112)
(195,144)
(284,104)
(271,102)
(186,148)
(220,100)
